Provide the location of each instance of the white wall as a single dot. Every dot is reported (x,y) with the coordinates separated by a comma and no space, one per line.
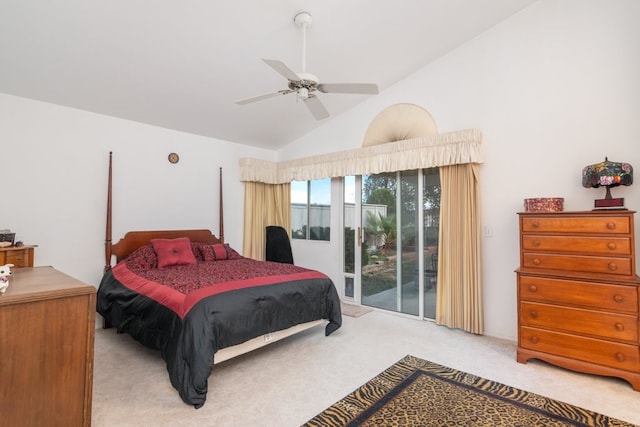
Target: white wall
(553,88)
(54,173)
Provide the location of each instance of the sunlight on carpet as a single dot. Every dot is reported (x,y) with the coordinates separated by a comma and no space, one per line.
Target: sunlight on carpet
(416,392)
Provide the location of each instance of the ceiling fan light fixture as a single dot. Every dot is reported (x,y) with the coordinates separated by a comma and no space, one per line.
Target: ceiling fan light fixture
(303,93)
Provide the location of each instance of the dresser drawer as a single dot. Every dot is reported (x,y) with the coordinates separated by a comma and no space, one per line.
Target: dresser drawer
(601,296)
(580,225)
(577,244)
(615,266)
(607,353)
(599,324)
(19,258)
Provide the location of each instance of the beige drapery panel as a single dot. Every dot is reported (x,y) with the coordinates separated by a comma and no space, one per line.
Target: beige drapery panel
(459,295)
(264,204)
(416,153)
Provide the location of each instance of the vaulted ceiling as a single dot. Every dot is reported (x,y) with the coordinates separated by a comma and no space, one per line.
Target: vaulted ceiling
(183,64)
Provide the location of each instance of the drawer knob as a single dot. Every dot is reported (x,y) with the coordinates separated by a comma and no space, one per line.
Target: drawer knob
(611,246)
(534,340)
(533,288)
(533,313)
(611,226)
(536,261)
(536,243)
(619,327)
(613,266)
(618,298)
(620,357)
(535,224)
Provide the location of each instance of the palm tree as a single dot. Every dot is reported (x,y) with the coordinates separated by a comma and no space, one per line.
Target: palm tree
(383,227)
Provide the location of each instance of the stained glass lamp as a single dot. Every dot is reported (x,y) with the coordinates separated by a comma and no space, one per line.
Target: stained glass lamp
(607,174)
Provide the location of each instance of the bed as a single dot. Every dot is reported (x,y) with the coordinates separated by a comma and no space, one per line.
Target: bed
(198,301)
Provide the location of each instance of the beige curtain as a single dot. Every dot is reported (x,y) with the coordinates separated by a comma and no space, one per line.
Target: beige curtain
(264,204)
(459,295)
(451,148)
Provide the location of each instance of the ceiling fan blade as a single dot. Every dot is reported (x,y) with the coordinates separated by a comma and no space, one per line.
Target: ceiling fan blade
(362,88)
(282,69)
(315,106)
(261,97)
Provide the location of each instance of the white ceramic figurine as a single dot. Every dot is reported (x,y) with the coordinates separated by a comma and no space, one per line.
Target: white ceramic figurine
(5,273)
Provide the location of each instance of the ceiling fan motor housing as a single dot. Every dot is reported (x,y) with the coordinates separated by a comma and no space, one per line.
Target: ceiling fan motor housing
(310,85)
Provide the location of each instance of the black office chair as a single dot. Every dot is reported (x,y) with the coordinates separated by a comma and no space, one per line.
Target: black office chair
(278,247)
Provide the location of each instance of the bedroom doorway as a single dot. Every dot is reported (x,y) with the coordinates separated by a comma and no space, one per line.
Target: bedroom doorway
(391,240)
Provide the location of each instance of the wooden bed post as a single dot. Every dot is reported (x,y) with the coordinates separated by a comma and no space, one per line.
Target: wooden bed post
(221,211)
(107,240)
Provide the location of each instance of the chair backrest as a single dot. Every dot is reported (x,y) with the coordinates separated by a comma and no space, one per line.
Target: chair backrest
(278,247)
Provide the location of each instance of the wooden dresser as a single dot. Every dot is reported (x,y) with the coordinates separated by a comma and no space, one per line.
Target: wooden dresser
(47,325)
(19,256)
(578,292)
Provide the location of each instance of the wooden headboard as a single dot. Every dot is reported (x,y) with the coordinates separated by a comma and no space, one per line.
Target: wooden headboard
(135,239)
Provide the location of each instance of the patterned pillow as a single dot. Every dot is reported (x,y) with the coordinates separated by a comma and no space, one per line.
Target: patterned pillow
(173,251)
(143,258)
(197,252)
(218,252)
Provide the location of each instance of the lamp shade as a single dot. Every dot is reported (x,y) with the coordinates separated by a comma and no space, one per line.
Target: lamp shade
(607,174)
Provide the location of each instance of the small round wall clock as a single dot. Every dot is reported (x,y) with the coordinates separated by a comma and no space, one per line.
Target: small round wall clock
(174,158)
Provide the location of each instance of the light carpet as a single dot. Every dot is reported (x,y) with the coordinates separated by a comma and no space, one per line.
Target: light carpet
(290,381)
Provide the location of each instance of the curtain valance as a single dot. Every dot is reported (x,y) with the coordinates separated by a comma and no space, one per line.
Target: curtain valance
(451,148)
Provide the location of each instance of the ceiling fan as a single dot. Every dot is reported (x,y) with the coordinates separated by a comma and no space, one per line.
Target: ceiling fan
(304,84)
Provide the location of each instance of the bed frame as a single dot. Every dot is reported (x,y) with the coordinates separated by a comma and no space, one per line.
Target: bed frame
(135,239)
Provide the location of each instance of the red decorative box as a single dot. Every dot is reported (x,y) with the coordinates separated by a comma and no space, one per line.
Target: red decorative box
(544,204)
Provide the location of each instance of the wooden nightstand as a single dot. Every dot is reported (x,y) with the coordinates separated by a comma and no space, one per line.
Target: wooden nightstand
(19,256)
(46,349)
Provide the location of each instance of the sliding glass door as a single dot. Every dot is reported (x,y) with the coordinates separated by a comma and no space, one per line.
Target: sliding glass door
(351,241)
(430,230)
(390,249)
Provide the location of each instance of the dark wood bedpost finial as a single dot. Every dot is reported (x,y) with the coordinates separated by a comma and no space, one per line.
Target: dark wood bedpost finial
(221,213)
(107,240)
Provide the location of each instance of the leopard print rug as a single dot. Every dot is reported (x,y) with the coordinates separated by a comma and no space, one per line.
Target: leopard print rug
(416,392)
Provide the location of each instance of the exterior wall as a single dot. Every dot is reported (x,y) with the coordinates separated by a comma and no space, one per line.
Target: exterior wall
(321,214)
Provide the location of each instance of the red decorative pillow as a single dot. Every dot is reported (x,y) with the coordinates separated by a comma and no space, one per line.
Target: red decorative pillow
(218,252)
(173,251)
